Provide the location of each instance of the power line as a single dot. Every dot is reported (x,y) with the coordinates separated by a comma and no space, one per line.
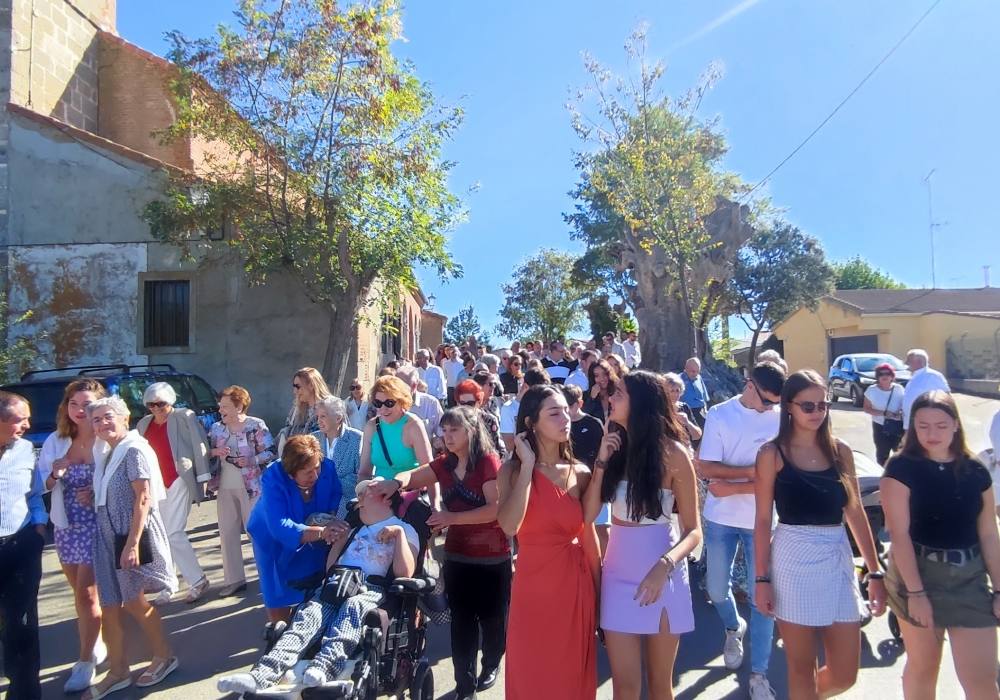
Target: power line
(843,102)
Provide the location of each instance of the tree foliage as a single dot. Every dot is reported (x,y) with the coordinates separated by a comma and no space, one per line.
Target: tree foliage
(858,273)
(464,324)
(325,154)
(778,271)
(16,353)
(648,188)
(541,300)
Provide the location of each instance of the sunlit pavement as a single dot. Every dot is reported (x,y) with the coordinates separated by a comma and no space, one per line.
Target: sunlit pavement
(217,636)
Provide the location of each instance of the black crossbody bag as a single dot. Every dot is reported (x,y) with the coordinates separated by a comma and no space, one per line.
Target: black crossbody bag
(343,582)
(891,428)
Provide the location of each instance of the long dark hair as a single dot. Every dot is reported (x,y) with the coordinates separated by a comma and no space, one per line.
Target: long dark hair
(943,401)
(528,412)
(652,424)
(609,370)
(794,385)
(480,442)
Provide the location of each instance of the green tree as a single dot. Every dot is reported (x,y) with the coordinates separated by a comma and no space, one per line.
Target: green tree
(858,273)
(656,201)
(541,299)
(16,353)
(778,271)
(327,156)
(463,325)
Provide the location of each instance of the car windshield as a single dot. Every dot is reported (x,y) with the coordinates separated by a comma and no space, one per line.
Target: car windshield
(132,388)
(868,364)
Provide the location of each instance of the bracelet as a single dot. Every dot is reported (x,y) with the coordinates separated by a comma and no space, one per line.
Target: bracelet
(671,564)
(600,464)
(912,594)
(762,579)
(874,576)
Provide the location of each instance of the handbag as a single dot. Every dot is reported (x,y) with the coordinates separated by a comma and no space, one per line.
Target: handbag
(145,548)
(891,428)
(342,583)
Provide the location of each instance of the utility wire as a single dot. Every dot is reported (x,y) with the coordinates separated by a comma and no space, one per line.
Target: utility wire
(843,102)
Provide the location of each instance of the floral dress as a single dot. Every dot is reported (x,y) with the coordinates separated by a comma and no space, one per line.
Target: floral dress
(116,586)
(75,543)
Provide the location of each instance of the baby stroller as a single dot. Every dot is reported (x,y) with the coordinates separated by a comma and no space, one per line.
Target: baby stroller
(391,657)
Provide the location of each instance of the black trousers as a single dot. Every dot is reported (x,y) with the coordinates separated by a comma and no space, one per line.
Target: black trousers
(478,595)
(883,445)
(21,564)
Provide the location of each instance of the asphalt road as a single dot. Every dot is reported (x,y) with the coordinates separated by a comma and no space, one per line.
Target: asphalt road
(218,636)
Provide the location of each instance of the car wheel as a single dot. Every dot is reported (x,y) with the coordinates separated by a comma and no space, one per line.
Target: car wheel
(831,395)
(857,396)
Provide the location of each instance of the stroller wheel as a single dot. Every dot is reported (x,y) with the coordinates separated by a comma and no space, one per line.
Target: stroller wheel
(894,627)
(422,687)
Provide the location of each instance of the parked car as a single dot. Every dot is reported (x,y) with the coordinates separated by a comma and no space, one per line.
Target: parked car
(44,390)
(851,374)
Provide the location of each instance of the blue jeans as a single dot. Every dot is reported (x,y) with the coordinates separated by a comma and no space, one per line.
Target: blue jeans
(721,542)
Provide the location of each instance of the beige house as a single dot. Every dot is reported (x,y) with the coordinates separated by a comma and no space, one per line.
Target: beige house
(959,328)
(78,163)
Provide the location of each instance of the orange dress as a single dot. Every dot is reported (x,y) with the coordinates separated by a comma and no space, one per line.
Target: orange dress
(551,647)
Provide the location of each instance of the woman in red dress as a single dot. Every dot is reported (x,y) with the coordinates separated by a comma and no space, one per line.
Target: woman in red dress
(551,643)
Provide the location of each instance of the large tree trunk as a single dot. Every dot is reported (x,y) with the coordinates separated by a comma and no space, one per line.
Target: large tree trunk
(665,330)
(340,343)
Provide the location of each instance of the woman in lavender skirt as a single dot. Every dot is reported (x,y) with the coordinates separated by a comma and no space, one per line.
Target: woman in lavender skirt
(642,467)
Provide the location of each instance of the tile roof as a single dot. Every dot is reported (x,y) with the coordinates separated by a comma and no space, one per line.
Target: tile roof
(917,301)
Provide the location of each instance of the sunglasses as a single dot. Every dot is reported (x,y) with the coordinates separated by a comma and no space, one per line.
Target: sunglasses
(812,406)
(355,387)
(467,403)
(156,404)
(296,386)
(388,403)
(884,374)
(766,402)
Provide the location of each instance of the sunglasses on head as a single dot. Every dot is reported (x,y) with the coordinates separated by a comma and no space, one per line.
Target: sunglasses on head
(812,406)
(156,404)
(388,403)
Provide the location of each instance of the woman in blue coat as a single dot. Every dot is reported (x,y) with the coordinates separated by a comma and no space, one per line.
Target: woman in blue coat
(286,546)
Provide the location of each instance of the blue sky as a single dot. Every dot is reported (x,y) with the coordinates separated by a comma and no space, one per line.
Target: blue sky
(857,186)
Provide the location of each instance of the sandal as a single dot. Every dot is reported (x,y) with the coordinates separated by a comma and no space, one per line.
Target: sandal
(109,684)
(157,671)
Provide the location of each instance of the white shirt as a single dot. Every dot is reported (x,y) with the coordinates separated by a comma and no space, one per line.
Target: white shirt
(994,466)
(633,355)
(578,378)
(357,415)
(370,555)
(428,409)
(433,376)
(508,416)
(452,368)
(923,380)
(881,400)
(733,433)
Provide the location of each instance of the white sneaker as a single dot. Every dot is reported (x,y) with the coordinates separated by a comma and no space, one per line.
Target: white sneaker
(100,652)
(732,650)
(165,596)
(760,688)
(313,677)
(237,683)
(80,678)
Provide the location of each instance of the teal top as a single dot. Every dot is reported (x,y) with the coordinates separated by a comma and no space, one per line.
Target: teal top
(403,457)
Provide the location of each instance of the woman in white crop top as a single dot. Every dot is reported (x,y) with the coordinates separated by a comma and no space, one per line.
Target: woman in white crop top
(641,467)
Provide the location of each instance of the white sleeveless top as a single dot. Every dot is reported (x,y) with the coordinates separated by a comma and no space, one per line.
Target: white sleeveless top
(619,506)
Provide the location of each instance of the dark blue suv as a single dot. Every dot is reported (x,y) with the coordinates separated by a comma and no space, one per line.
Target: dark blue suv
(850,375)
(44,390)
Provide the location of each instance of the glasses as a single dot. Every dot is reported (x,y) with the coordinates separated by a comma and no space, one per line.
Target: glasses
(355,387)
(884,374)
(388,403)
(467,403)
(766,402)
(296,386)
(812,406)
(156,404)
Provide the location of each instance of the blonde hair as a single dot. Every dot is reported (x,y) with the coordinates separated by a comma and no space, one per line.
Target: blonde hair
(65,427)
(300,413)
(393,387)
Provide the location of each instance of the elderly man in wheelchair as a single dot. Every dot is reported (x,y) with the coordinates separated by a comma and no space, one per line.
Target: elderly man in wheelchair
(355,582)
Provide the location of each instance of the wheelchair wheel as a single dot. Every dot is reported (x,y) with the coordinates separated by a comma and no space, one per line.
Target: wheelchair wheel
(894,627)
(422,686)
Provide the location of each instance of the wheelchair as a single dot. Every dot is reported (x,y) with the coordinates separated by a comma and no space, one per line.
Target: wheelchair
(391,658)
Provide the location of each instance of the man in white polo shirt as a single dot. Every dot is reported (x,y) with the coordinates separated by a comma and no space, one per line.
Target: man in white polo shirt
(923,379)
(734,431)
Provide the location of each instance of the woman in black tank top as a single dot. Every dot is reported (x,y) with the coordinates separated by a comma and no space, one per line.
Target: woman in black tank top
(805,573)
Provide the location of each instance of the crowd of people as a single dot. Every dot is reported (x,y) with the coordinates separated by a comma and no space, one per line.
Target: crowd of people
(573,488)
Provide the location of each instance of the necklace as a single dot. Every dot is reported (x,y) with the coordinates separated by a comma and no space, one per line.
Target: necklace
(306,491)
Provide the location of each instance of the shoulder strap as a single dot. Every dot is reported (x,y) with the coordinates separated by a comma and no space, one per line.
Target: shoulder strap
(885,413)
(381,439)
